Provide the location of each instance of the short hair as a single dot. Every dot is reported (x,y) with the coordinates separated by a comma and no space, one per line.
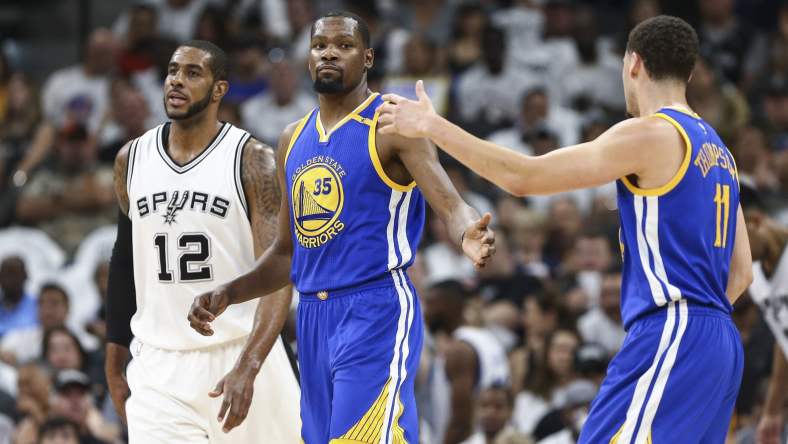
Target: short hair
(218,62)
(57,423)
(363,29)
(51,286)
(668,46)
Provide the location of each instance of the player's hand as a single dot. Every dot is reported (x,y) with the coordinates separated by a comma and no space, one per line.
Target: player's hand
(206,307)
(769,429)
(406,117)
(119,392)
(238,389)
(478,242)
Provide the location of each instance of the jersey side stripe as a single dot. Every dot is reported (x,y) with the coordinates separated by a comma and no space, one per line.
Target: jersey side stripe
(402,232)
(652,240)
(656,289)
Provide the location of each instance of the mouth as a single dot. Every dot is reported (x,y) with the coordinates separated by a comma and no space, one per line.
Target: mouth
(329,68)
(176,99)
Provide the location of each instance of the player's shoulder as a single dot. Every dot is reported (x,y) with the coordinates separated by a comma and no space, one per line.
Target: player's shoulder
(256,152)
(647,130)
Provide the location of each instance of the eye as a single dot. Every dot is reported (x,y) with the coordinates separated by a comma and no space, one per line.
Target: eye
(318,45)
(193,73)
(347,45)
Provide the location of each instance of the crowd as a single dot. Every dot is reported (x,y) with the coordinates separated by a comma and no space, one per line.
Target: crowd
(533,75)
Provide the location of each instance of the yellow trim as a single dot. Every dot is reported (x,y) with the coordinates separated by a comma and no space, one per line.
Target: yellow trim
(686,111)
(664,189)
(369,428)
(373,155)
(323,135)
(614,439)
(297,133)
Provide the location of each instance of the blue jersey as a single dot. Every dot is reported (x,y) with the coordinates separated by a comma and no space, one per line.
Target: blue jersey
(677,240)
(350,223)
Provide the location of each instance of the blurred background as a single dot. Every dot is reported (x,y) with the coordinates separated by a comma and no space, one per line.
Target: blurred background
(79,78)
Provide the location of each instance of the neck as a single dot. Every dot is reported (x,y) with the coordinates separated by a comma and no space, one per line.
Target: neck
(657,95)
(11,299)
(775,245)
(193,134)
(334,107)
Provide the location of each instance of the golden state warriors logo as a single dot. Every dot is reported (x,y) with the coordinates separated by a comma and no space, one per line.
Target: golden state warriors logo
(317,198)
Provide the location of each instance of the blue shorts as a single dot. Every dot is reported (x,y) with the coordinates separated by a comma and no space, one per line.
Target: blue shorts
(675,380)
(358,351)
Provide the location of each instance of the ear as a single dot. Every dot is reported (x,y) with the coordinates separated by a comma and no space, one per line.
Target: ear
(220,88)
(636,65)
(369,58)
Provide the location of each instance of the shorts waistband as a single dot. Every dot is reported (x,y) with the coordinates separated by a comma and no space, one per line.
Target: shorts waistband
(319,296)
(137,345)
(693,310)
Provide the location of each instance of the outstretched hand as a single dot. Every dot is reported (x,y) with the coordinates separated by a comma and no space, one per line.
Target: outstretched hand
(478,241)
(406,117)
(206,308)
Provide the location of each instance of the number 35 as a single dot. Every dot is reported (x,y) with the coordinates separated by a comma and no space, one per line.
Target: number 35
(322,186)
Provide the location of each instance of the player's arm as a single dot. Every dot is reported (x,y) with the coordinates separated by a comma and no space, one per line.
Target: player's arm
(464,224)
(271,271)
(621,151)
(261,188)
(461,372)
(771,424)
(121,297)
(740,273)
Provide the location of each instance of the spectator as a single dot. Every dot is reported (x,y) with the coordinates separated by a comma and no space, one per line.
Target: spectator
(177,19)
(74,401)
(139,40)
(212,26)
(72,197)
(563,425)
(547,383)
(21,115)
(247,76)
(58,430)
(468,26)
(565,222)
(775,105)
(98,326)
(24,345)
(720,104)
(754,159)
(488,94)
(428,17)
(528,235)
(62,350)
(602,324)
(468,359)
(422,61)
(32,402)
(726,40)
(74,96)
(538,115)
(594,80)
(443,259)
(495,413)
(266,114)
(387,38)
(17,309)
(505,279)
(131,114)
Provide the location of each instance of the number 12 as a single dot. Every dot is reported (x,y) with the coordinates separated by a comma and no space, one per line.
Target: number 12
(723,199)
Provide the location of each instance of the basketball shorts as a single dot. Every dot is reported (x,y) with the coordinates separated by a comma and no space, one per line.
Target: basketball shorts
(358,353)
(169,401)
(675,380)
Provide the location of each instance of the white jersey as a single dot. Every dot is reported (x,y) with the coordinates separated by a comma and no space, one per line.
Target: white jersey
(772,298)
(191,233)
(492,367)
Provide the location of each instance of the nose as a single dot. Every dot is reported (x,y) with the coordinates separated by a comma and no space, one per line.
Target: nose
(329,54)
(176,79)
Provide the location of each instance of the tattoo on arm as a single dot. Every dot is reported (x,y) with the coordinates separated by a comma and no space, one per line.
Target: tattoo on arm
(261,188)
(121,170)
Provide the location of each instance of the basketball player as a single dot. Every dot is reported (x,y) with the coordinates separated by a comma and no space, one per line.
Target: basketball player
(686,252)
(198,201)
(351,224)
(769,289)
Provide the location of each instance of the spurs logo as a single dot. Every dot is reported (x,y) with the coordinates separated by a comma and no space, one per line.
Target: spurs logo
(174,206)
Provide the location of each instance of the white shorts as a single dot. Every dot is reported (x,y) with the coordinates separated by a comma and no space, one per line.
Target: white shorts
(169,401)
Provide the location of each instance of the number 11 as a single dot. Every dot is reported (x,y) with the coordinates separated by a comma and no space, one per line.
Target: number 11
(723,199)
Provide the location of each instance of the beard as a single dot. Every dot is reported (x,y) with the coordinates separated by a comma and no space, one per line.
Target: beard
(328,86)
(193,109)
